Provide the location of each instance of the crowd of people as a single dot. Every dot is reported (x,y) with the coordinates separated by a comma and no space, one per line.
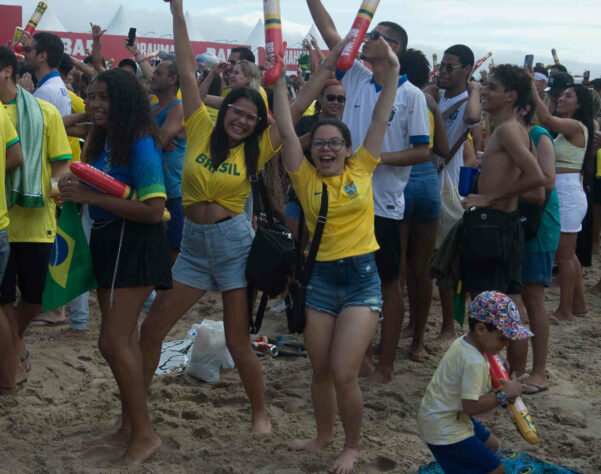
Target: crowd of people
(389,145)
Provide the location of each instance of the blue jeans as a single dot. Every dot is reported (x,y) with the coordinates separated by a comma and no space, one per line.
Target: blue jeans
(78,308)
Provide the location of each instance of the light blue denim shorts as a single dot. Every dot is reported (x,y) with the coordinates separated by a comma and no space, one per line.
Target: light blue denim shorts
(339,284)
(213,256)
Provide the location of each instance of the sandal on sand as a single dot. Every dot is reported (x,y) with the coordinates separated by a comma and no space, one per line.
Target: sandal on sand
(44,323)
(537,389)
(289,345)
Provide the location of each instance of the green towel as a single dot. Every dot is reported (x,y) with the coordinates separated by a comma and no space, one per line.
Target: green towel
(24,184)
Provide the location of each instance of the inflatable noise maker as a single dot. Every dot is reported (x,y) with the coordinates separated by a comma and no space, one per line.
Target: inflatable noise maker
(520,416)
(105,183)
(31,26)
(274,47)
(480,62)
(358,30)
(555,56)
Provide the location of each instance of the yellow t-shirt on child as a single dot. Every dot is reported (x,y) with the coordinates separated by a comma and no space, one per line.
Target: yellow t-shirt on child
(349,230)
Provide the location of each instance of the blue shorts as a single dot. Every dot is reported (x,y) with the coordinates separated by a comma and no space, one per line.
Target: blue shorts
(175,225)
(293,210)
(213,256)
(537,267)
(422,193)
(470,456)
(338,284)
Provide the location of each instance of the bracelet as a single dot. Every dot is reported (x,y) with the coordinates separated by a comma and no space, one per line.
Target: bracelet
(142,60)
(328,66)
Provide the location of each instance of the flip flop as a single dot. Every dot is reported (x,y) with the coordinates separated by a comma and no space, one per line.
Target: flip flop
(538,389)
(47,323)
(289,345)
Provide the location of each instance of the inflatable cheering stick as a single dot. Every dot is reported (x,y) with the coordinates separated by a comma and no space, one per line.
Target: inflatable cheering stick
(480,62)
(274,47)
(105,183)
(31,26)
(358,30)
(519,413)
(555,56)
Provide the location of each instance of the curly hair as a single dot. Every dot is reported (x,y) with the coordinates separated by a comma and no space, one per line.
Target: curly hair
(129,115)
(516,79)
(220,147)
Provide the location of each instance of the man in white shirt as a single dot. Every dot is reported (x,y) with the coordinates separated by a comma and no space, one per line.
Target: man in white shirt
(406,143)
(43,55)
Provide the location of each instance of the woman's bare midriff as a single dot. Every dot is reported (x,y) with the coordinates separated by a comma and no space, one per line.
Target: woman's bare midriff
(566,170)
(207,212)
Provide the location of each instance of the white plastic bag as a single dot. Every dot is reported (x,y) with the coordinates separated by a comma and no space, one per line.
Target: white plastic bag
(451,209)
(209,352)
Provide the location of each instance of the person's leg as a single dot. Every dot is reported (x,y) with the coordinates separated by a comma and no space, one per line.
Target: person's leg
(7,358)
(407,230)
(235,319)
(567,276)
(579,305)
(517,351)
(353,331)
(118,343)
(596,227)
(534,300)
(318,342)
(447,331)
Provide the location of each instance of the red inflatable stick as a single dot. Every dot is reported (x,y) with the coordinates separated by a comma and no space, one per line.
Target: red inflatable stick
(480,62)
(274,48)
(31,26)
(105,183)
(358,30)
(519,412)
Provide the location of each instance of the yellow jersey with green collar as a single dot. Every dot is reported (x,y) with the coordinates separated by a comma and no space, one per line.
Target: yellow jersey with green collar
(8,138)
(77,107)
(38,224)
(227,185)
(349,230)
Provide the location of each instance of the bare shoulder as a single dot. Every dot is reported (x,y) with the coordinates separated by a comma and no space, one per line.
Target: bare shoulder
(511,132)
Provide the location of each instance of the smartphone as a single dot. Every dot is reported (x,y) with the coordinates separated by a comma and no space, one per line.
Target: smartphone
(131,37)
(528,61)
(307,76)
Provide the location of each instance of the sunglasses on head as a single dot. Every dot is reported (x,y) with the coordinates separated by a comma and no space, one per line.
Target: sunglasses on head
(374,35)
(340,98)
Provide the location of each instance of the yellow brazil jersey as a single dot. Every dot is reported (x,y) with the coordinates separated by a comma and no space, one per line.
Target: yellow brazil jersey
(228,185)
(38,224)
(310,110)
(349,230)
(8,138)
(77,107)
(432,126)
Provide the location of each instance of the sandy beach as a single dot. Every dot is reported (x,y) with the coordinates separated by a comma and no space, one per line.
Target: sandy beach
(70,396)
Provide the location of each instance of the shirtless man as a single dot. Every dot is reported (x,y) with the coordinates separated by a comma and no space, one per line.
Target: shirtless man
(493,241)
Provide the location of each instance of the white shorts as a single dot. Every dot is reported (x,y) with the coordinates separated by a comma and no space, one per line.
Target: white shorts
(572,201)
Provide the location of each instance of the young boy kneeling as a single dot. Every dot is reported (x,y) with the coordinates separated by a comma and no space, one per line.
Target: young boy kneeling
(461,388)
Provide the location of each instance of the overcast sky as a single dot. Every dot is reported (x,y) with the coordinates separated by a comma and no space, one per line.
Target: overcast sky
(508,28)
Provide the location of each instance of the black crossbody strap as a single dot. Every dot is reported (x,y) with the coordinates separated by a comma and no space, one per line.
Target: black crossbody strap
(258,187)
(319,226)
(300,251)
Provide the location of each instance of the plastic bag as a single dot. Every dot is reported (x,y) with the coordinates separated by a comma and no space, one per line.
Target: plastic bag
(174,357)
(451,209)
(209,353)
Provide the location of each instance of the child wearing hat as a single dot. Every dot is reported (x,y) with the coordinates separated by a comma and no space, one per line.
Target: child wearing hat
(461,389)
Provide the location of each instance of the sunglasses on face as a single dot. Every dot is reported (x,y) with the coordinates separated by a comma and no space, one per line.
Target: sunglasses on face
(334,144)
(239,113)
(448,67)
(374,35)
(340,98)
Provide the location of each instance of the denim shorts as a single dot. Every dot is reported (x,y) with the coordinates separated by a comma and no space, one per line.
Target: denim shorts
(537,267)
(338,284)
(470,456)
(213,256)
(293,210)
(422,193)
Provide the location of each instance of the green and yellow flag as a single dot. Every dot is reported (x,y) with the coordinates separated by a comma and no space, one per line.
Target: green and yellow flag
(70,270)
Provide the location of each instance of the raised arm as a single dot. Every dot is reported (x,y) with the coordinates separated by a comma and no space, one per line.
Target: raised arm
(204,86)
(441,142)
(324,23)
(186,63)
(172,126)
(97,32)
(473,108)
(318,51)
(381,114)
(140,59)
(83,67)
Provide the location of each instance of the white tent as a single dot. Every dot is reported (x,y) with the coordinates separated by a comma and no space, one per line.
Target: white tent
(193,32)
(257,37)
(50,22)
(120,23)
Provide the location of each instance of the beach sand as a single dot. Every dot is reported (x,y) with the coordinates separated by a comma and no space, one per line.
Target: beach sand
(71,396)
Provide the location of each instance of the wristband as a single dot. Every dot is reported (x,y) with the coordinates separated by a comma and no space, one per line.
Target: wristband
(502,398)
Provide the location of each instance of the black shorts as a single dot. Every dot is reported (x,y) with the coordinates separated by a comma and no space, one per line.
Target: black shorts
(388,258)
(143,259)
(492,250)
(597,191)
(27,266)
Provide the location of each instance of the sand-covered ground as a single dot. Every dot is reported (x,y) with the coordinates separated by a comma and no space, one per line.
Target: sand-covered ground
(71,396)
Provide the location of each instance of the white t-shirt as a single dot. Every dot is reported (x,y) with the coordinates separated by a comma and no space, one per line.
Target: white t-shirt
(455,127)
(52,89)
(463,373)
(408,125)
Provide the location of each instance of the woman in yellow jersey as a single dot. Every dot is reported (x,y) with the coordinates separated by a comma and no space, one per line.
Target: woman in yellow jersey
(344,294)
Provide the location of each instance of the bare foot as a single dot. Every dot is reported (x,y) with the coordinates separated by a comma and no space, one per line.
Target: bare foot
(140,450)
(346,461)
(580,310)
(313,444)
(446,336)
(560,316)
(383,376)
(21,374)
(51,318)
(407,332)
(261,424)
(71,333)
(120,438)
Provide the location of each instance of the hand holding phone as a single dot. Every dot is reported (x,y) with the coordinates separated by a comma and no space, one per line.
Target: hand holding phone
(131,37)
(528,61)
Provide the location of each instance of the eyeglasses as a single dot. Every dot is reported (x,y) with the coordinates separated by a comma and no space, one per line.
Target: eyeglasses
(340,98)
(374,35)
(448,67)
(334,144)
(239,113)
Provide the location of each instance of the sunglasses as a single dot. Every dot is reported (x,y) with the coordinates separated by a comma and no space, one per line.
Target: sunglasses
(448,67)
(340,98)
(334,144)
(374,35)
(239,113)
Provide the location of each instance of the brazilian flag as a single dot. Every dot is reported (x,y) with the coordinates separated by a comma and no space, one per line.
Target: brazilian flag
(70,270)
